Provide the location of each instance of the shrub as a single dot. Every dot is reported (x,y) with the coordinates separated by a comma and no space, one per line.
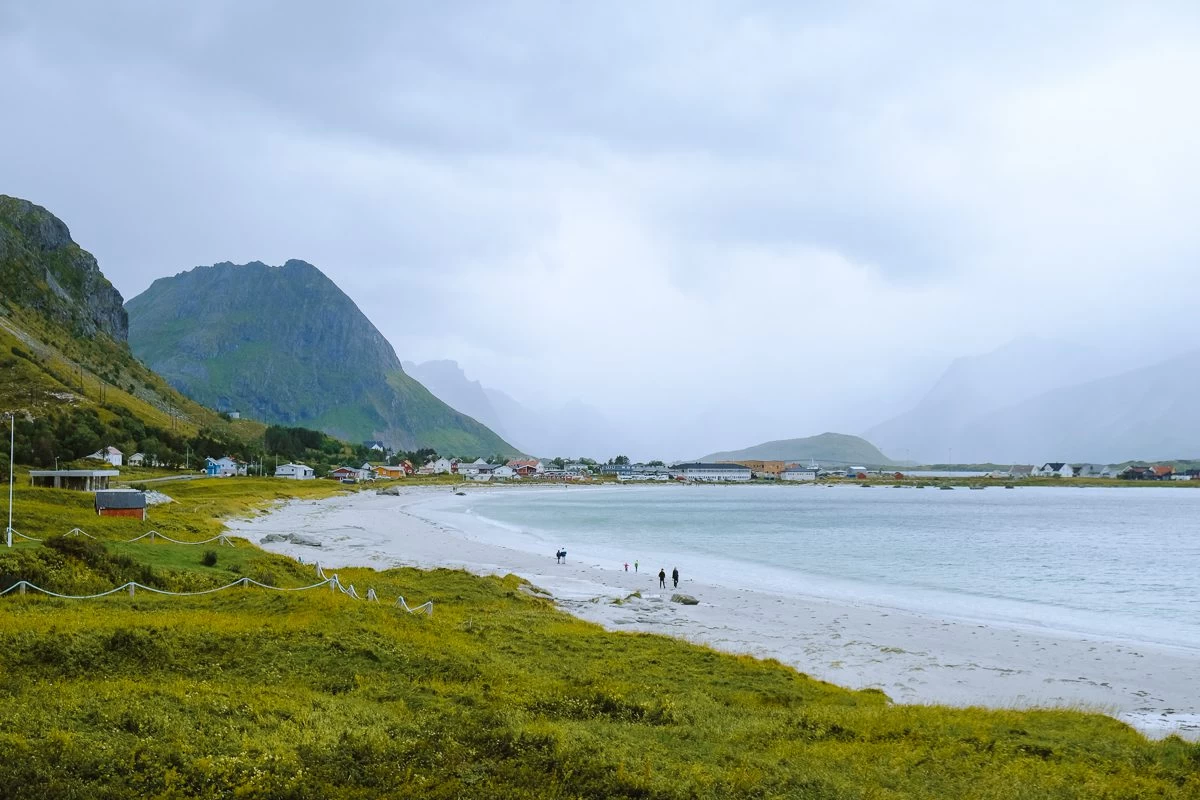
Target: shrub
(210,558)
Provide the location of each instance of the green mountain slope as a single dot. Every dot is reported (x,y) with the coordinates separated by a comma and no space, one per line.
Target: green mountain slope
(828,448)
(286,345)
(65,367)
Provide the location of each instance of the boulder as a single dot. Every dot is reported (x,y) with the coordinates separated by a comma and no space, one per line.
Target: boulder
(685,599)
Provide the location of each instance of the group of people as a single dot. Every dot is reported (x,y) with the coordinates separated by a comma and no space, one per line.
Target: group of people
(561,558)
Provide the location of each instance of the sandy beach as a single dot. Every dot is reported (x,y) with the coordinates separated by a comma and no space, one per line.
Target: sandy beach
(912,658)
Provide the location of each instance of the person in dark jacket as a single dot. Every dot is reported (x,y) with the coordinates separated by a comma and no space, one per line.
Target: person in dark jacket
(662,578)
(675,576)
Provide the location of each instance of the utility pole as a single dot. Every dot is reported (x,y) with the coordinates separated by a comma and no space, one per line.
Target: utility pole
(12,439)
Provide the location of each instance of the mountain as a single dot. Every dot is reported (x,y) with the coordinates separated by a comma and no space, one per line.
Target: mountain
(573,429)
(285,345)
(974,387)
(1147,413)
(829,449)
(65,365)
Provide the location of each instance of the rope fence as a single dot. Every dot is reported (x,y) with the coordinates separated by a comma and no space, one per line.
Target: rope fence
(220,538)
(23,586)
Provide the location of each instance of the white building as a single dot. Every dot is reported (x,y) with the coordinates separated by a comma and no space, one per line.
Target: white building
(474,468)
(298,472)
(224,466)
(439,467)
(503,472)
(712,472)
(1054,468)
(110,454)
(798,473)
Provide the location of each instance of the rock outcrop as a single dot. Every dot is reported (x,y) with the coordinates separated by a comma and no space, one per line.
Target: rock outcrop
(43,270)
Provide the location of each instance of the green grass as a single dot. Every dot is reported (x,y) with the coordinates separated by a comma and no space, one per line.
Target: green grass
(250,693)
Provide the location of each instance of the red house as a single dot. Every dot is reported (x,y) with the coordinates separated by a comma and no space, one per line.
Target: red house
(121,503)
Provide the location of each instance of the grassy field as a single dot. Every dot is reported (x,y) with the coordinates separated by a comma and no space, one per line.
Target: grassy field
(251,693)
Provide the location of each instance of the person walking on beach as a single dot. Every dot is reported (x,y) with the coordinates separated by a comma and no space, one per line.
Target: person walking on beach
(563,553)
(627,566)
(675,576)
(558,556)
(662,578)
(635,565)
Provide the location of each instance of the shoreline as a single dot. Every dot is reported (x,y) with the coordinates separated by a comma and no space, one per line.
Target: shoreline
(915,658)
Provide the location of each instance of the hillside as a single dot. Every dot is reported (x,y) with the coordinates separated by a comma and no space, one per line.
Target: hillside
(573,429)
(1035,400)
(1146,413)
(829,449)
(65,366)
(256,693)
(974,387)
(285,345)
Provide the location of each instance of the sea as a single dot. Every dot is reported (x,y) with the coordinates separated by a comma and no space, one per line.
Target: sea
(1122,563)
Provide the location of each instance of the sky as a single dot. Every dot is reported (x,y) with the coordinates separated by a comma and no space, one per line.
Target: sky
(718,223)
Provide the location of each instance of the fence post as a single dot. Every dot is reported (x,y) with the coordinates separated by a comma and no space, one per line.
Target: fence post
(132,586)
(22,587)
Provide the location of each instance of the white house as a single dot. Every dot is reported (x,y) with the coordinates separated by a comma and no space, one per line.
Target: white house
(110,454)
(137,459)
(298,472)
(224,466)
(712,472)
(795,472)
(1054,468)
(474,468)
(439,467)
(503,472)
(1091,471)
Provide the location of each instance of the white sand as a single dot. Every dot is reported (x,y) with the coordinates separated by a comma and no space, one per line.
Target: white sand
(913,658)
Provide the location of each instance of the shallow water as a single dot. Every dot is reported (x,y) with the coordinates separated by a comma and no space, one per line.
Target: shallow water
(1117,562)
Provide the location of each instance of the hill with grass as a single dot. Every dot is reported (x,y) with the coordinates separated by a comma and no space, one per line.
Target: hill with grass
(285,345)
(830,449)
(253,692)
(65,366)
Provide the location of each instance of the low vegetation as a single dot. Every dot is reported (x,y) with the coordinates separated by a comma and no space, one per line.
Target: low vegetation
(252,693)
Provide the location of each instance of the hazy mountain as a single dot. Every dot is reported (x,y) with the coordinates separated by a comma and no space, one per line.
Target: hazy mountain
(286,345)
(449,383)
(65,367)
(573,429)
(974,387)
(1147,413)
(828,449)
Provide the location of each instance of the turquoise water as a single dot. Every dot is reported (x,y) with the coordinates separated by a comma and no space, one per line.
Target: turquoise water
(1118,562)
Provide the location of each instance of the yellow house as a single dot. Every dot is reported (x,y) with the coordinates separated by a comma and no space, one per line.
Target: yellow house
(765,468)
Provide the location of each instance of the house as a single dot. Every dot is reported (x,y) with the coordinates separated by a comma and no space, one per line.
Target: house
(224,467)
(137,459)
(716,472)
(795,472)
(1056,469)
(503,472)
(121,503)
(391,473)
(367,471)
(473,468)
(347,474)
(110,454)
(1018,471)
(1160,473)
(375,446)
(526,466)
(297,472)
(1091,471)
(1136,473)
(80,480)
(441,466)
(770,470)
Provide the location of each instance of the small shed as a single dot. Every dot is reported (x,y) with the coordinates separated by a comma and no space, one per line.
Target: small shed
(121,503)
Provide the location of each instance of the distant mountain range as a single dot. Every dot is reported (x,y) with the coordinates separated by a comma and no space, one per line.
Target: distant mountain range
(574,429)
(828,449)
(1036,401)
(285,345)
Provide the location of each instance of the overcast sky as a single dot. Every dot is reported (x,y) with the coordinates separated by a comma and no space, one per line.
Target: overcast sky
(716,222)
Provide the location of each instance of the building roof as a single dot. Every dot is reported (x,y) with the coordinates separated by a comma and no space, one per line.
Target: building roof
(712,465)
(1160,471)
(120,498)
(74,473)
(1054,465)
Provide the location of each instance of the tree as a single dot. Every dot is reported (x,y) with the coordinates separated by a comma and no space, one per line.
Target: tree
(558,462)
(656,464)
(621,461)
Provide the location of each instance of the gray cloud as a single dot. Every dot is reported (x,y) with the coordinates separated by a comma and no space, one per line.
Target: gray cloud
(899,185)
